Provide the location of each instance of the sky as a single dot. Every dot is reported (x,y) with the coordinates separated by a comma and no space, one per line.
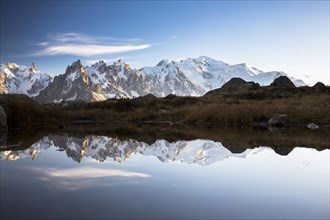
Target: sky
(289,36)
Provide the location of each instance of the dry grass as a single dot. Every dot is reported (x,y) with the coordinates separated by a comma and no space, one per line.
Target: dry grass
(224,109)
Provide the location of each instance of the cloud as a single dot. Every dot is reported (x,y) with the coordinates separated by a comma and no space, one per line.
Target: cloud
(173,37)
(87,50)
(85,177)
(84,45)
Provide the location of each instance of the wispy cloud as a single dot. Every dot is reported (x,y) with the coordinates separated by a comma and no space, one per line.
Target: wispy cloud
(84,45)
(85,177)
(173,37)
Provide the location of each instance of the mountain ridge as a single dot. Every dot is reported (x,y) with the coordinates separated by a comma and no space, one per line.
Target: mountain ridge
(189,77)
(22,79)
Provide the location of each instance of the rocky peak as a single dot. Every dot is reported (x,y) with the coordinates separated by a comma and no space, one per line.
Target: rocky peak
(119,63)
(163,62)
(33,68)
(100,65)
(75,66)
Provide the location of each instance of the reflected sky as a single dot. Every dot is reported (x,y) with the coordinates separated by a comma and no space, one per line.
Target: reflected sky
(257,184)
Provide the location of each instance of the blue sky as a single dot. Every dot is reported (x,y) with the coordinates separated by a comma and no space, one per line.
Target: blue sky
(289,36)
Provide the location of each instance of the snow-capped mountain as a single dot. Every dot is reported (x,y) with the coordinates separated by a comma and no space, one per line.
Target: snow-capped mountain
(101,148)
(190,77)
(21,79)
(95,83)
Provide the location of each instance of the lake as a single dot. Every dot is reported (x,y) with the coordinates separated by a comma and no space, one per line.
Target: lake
(162,173)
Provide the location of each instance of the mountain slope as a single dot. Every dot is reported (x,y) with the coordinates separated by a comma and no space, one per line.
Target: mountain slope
(21,79)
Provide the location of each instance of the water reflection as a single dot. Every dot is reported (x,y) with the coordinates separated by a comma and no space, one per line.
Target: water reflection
(66,176)
(101,148)
(79,178)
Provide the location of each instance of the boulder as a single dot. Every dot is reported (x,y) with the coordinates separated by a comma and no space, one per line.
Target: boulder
(238,84)
(3,119)
(320,87)
(282,82)
(277,120)
(312,126)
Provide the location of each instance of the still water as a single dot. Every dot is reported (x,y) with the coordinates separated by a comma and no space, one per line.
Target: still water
(103,177)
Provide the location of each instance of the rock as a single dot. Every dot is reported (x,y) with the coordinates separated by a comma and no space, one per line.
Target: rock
(278,131)
(3,119)
(170,96)
(320,87)
(312,126)
(33,68)
(282,82)
(235,85)
(238,84)
(278,120)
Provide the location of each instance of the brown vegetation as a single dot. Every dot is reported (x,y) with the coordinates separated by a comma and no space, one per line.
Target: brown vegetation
(244,108)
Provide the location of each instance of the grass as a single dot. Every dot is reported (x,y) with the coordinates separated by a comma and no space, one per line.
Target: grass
(301,105)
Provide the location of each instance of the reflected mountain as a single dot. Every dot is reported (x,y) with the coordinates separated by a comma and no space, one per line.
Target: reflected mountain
(101,148)
(200,145)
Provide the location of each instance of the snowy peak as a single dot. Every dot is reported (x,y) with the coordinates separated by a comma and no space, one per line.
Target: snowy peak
(163,62)
(75,67)
(11,66)
(21,79)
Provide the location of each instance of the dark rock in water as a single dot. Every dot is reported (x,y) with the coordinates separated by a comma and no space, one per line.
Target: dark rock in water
(278,131)
(312,126)
(282,82)
(3,119)
(278,120)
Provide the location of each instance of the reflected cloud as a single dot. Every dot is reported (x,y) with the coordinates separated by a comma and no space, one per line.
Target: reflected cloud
(89,172)
(85,177)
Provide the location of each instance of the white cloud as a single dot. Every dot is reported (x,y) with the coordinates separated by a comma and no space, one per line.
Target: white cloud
(88,49)
(84,45)
(86,177)
(89,172)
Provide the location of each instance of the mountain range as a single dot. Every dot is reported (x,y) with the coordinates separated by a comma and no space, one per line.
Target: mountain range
(189,77)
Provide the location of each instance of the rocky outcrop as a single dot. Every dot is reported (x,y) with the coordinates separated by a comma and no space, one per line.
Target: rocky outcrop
(278,120)
(235,85)
(238,85)
(282,82)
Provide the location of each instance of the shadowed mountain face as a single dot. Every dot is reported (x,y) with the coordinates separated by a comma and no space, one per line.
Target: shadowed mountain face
(190,77)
